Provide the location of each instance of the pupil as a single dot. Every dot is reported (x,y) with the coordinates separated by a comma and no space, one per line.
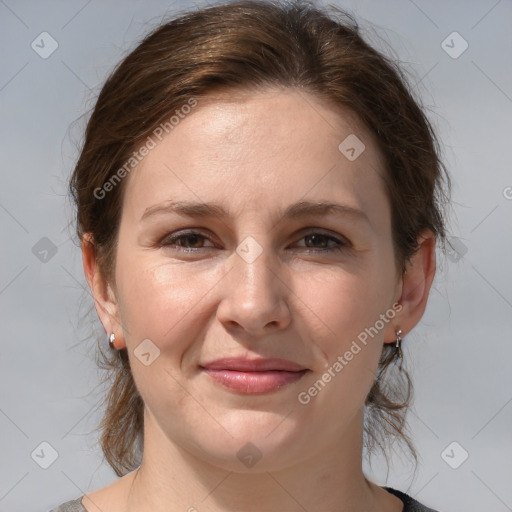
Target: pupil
(315,237)
(193,237)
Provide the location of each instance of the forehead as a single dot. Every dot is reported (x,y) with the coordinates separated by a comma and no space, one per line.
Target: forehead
(259,149)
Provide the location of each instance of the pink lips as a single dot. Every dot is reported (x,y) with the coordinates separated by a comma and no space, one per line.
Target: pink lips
(254,376)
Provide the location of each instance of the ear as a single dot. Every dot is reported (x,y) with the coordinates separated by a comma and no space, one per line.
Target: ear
(415,287)
(102,292)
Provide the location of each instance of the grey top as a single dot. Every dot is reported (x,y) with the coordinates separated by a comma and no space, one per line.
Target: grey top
(410,504)
(71,506)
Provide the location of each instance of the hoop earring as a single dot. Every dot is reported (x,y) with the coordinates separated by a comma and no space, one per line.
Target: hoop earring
(398,346)
(111,340)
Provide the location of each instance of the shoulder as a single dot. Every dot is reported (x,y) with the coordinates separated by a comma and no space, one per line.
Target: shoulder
(71,506)
(410,504)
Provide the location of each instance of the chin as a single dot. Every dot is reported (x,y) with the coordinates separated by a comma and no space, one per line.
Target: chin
(253,442)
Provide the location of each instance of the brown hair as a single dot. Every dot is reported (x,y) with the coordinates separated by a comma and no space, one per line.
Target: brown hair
(246,44)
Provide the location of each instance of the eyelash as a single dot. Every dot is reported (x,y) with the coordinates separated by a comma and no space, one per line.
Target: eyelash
(169,241)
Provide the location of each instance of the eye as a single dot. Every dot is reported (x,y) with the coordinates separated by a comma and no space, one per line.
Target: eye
(192,239)
(316,242)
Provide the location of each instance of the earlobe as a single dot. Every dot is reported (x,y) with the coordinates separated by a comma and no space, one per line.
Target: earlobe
(417,281)
(104,297)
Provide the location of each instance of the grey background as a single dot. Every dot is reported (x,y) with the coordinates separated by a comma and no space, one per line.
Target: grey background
(460,353)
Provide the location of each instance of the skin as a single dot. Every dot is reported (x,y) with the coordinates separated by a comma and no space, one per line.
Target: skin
(255,154)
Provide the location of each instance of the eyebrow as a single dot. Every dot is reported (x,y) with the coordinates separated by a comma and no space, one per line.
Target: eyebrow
(294,211)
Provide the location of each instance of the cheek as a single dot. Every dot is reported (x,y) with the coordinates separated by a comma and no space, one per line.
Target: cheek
(157,299)
(165,304)
(349,306)
(346,303)
(347,310)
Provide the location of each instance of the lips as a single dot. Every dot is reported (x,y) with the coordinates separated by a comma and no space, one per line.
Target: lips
(256,376)
(254,365)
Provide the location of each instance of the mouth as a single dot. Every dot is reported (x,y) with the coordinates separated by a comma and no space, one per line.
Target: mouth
(257,376)
(253,383)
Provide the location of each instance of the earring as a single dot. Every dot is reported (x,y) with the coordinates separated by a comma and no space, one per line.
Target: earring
(398,344)
(111,340)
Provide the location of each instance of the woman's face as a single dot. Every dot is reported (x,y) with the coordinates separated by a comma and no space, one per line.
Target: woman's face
(264,276)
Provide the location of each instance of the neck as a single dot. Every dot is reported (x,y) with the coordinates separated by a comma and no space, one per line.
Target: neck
(171,478)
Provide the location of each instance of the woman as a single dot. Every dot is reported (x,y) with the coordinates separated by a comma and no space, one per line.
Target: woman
(258,204)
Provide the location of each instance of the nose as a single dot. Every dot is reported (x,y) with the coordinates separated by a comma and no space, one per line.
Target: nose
(255,295)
